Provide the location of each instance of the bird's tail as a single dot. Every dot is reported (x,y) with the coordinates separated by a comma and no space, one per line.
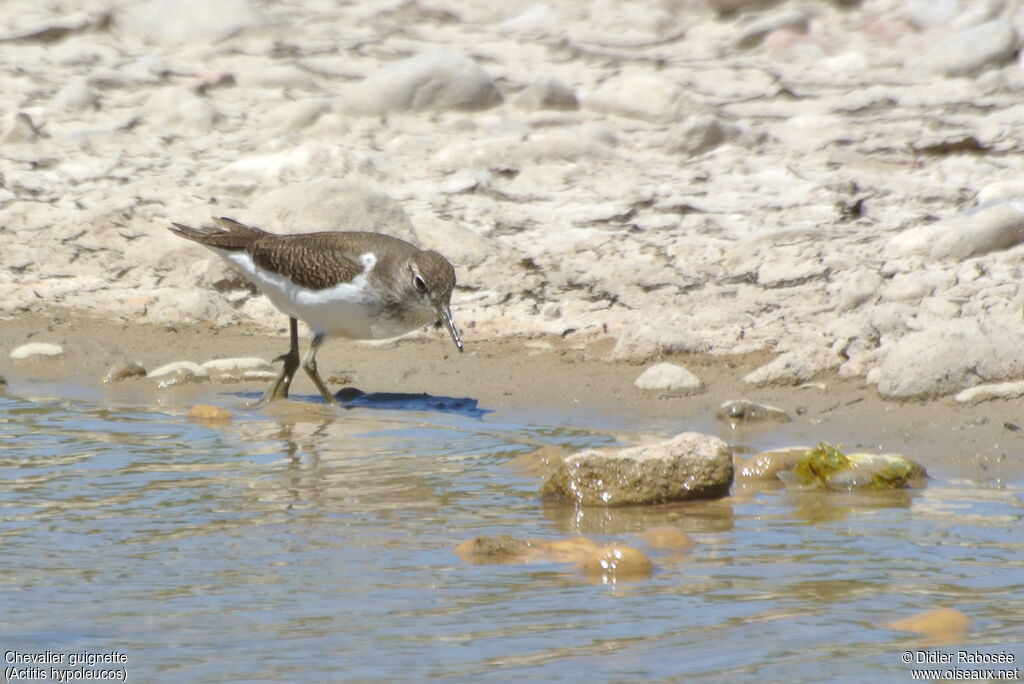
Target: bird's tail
(229,235)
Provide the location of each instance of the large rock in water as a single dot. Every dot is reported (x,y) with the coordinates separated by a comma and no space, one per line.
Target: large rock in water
(688,466)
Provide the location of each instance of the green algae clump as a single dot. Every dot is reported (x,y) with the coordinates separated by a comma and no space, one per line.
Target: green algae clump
(824,465)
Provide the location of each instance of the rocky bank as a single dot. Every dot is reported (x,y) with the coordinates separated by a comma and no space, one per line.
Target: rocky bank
(836,182)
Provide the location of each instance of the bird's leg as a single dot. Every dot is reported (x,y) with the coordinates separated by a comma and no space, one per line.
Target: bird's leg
(279,390)
(309,364)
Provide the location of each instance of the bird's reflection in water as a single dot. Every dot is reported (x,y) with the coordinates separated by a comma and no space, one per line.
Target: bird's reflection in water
(347,461)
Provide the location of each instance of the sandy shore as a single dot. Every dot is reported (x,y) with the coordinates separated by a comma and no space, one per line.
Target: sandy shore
(551,381)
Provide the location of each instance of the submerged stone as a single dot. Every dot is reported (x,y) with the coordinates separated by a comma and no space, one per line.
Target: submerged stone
(688,466)
(121,371)
(766,465)
(826,466)
(665,537)
(205,412)
(502,548)
(744,411)
(942,625)
(618,562)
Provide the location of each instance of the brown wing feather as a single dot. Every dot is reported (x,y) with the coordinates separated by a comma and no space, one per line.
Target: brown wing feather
(230,236)
(310,260)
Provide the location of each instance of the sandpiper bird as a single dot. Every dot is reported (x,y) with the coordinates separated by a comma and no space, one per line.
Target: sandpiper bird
(363,286)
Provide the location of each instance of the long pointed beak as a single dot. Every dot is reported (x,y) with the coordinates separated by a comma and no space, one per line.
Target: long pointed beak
(445,315)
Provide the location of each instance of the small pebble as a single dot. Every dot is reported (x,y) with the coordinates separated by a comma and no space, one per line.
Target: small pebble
(613,563)
(492,549)
(121,371)
(665,537)
(744,411)
(36,349)
(670,378)
(571,550)
(206,412)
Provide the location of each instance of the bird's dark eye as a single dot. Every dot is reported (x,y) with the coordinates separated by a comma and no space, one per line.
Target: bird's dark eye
(419,284)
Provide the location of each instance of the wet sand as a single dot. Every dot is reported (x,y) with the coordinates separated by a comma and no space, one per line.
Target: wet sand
(543,380)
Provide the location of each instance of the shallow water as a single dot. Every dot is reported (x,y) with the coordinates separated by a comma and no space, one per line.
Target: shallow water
(293,544)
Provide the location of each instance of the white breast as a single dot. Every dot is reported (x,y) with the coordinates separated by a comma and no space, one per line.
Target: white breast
(346,310)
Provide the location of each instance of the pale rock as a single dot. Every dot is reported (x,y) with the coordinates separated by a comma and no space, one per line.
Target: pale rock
(76,95)
(460,245)
(986,45)
(789,271)
(466,181)
(927,14)
(26,351)
(978,12)
(990,227)
(907,286)
(167,304)
(754,33)
(173,21)
(852,289)
(941,308)
(179,109)
(793,367)
(536,22)
(949,356)
(1010,188)
(296,115)
(848,65)
(178,368)
(571,144)
(638,96)
(547,92)
(650,339)
(19,128)
(813,131)
(888,318)
(1001,390)
(698,134)
(290,165)
(329,204)
(431,81)
(670,378)
(274,76)
(689,466)
(244,363)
